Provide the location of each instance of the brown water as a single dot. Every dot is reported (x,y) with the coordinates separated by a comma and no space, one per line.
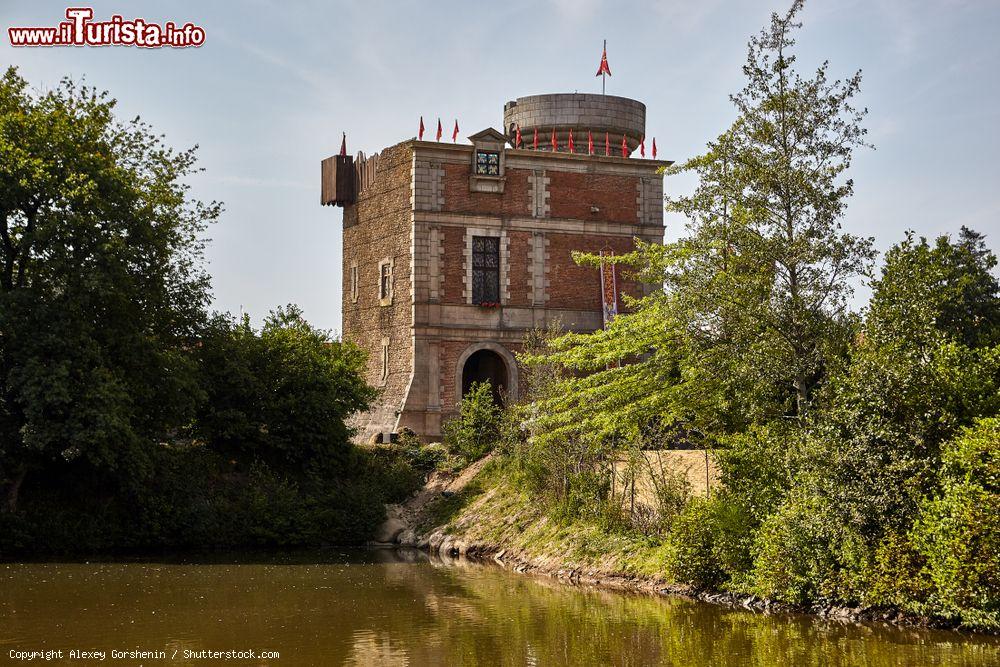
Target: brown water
(399,608)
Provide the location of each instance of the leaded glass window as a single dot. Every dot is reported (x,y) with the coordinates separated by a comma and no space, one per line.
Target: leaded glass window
(487,163)
(485,269)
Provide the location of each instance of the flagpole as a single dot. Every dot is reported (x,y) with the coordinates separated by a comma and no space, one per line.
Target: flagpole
(603,74)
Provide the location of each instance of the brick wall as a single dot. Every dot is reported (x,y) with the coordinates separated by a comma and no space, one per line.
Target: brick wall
(428,195)
(518,259)
(459,199)
(572,194)
(579,287)
(452,266)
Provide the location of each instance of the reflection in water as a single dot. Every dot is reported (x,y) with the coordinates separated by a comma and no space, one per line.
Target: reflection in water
(385,607)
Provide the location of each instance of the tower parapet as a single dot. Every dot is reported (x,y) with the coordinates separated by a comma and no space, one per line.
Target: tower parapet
(580,112)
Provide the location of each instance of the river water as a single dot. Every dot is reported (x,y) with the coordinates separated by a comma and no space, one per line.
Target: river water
(385,607)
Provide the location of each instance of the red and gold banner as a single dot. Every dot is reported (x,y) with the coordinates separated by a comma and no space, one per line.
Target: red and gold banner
(609,287)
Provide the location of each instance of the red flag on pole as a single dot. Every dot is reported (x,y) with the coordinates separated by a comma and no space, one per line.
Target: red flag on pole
(343,145)
(654,148)
(439,130)
(555,144)
(454,133)
(624,147)
(642,147)
(517,136)
(604,69)
(535,142)
(590,142)
(607,144)
(570,140)
(420,132)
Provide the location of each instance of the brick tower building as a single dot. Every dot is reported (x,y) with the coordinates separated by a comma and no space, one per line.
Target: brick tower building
(453,252)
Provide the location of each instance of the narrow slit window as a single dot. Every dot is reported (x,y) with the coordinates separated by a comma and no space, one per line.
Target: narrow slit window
(485,269)
(385,360)
(385,282)
(354,283)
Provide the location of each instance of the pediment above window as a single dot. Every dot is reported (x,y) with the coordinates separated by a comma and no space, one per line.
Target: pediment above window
(487,161)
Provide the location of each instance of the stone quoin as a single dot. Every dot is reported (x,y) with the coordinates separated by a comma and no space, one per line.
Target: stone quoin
(454,252)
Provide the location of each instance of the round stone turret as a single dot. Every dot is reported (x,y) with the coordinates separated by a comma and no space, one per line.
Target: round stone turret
(581,112)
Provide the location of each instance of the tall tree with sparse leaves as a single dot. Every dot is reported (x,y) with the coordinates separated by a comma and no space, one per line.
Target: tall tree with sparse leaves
(754,308)
(774,186)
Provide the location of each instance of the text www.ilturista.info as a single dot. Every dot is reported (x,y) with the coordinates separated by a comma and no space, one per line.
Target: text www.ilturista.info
(79,30)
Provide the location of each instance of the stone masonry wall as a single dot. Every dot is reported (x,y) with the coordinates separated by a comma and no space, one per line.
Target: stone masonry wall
(378,228)
(451,350)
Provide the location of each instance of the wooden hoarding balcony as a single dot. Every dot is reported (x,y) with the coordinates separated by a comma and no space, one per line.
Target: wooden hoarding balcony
(338,181)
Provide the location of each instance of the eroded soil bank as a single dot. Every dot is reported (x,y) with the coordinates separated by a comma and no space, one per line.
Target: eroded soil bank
(480,517)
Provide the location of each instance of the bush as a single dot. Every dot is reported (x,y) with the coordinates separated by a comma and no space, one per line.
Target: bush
(280,395)
(476,430)
(756,467)
(804,552)
(690,547)
(389,473)
(958,533)
(194,498)
(708,544)
(428,458)
(894,575)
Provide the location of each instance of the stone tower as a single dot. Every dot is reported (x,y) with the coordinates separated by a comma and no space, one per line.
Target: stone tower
(453,252)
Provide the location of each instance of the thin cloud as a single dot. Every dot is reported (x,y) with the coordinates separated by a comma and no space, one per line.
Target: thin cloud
(255,182)
(316,79)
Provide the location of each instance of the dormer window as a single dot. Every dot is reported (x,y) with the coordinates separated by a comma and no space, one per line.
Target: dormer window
(487,163)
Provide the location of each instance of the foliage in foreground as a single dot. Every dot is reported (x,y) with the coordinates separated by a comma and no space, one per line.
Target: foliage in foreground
(857,451)
(129,417)
(199,500)
(101,288)
(271,464)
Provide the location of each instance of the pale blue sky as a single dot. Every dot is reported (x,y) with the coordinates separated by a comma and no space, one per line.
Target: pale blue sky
(268,94)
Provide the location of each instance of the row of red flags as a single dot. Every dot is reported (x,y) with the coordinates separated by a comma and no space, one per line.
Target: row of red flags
(518,142)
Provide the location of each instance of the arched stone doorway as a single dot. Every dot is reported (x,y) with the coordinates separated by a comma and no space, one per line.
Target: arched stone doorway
(487,362)
(485,366)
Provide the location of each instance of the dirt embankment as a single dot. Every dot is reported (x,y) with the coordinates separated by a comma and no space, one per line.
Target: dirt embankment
(461,516)
(403,522)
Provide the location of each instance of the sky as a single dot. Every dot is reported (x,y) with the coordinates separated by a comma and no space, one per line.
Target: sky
(275,83)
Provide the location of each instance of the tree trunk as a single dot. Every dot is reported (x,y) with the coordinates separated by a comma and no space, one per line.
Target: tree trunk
(13,489)
(801,395)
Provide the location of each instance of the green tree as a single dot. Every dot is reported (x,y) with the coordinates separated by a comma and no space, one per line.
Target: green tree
(753,313)
(101,290)
(958,532)
(928,292)
(773,190)
(925,366)
(852,482)
(280,396)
